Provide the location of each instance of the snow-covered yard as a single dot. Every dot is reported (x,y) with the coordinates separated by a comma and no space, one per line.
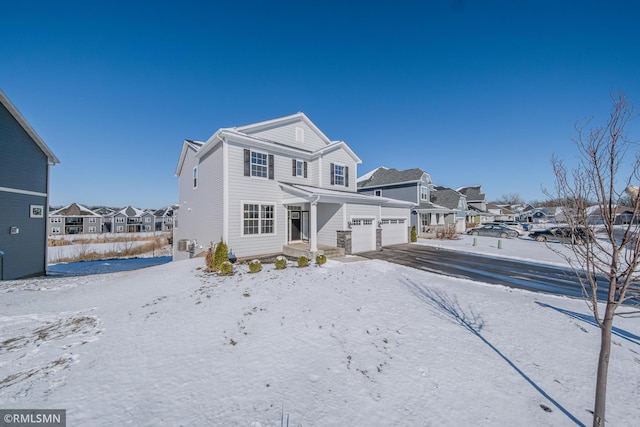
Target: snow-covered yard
(360,344)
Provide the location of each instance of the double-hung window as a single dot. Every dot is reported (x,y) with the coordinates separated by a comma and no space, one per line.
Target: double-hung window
(338,171)
(258,164)
(258,218)
(299,168)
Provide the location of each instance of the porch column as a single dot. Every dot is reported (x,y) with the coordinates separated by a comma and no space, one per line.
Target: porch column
(313,227)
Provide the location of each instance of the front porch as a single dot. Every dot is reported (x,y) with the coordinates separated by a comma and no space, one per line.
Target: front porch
(304,249)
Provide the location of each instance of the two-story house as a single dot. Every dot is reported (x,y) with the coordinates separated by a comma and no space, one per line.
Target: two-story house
(264,186)
(454,200)
(130,220)
(164,219)
(74,219)
(24,195)
(477,212)
(412,185)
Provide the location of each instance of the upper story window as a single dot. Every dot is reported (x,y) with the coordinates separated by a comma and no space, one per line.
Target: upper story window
(258,164)
(377,193)
(299,168)
(92,220)
(339,175)
(424,193)
(195,177)
(120,219)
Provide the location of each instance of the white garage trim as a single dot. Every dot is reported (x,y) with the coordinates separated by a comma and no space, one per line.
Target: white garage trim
(363,234)
(394,231)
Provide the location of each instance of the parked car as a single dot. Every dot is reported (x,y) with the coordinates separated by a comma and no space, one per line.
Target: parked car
(494,230)
(563,235)
(514,225)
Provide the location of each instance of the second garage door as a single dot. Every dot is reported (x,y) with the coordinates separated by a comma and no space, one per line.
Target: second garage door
(363,235)
(394,231)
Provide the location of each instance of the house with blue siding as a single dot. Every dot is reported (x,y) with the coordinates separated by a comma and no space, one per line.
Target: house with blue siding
(267,187)
(24,195)
(413,185)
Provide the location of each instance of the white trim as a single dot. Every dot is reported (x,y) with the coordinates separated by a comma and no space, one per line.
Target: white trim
(225,191)
(27,192)
(260,218)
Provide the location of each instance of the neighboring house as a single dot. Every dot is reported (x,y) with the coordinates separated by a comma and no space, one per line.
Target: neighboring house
(24,195)
(623,215)
(539,215)
(454,200)
(130,220)
(164,219)
(74,219)
(265,186)
(501,212)
(413,185)
(477,212)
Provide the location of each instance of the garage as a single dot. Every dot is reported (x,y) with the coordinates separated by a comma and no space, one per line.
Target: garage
(394,231)
(363,235)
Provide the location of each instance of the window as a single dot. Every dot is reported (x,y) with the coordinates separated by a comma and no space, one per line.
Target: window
(424,193)
(377,193)
(120,228)
(120,220)
(258,164)
(258,218)
(339,175)
(55,220)
(147,219)
(299,168)
(92,229)
(195,177)
(55,230)
(92,220)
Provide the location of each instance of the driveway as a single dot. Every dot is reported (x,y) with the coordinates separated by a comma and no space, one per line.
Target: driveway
(482,268)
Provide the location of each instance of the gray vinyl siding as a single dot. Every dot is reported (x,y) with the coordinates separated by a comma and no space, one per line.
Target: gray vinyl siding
(248,189)
(408,192)
(340,157)
(25,252)
(362,211)
(287,135)
(391,213)
(330,219)
(201,213)
(23,165)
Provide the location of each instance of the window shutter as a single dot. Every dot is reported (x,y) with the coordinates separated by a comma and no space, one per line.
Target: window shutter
(346,176)
(247,162)
(270,162)
(333,174)
(293,166)
(305,169)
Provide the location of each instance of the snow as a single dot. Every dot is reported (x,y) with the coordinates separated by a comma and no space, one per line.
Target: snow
(359,343)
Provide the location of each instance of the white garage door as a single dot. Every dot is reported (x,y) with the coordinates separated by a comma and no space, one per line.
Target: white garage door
(394,231)
(363,235)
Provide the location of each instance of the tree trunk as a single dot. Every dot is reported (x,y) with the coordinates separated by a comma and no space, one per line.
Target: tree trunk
(603,366)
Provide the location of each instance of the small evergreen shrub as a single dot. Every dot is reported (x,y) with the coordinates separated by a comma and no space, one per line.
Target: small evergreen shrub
(226,268)
(220,255)
(280,262)
(414,235)
(321,259)
(255,266)
(303,261)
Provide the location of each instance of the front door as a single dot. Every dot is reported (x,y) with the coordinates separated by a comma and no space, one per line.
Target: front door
(295,225)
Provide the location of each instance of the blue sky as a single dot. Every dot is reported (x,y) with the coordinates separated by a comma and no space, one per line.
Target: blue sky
(473,92)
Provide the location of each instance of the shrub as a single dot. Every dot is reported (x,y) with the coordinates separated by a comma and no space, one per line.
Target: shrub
(321,259)
(414,235)
(226,268)
(303,261)
(255,266)
(280,262)
(220,255)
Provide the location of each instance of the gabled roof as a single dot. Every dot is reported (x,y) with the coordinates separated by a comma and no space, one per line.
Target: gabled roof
(74,209)
(51,158)
(472,193)
(447,197)
(384,177)
(130,212)
(503,210)
(167,211)
(243,134)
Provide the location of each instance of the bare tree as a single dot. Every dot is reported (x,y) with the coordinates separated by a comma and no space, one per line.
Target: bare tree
(510,199)
(607,263)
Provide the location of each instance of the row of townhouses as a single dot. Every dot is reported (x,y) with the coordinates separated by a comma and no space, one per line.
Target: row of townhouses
(77,219)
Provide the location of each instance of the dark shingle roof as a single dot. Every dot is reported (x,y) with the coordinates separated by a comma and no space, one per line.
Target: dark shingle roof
(447,197)
(472,193)
(391,176)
